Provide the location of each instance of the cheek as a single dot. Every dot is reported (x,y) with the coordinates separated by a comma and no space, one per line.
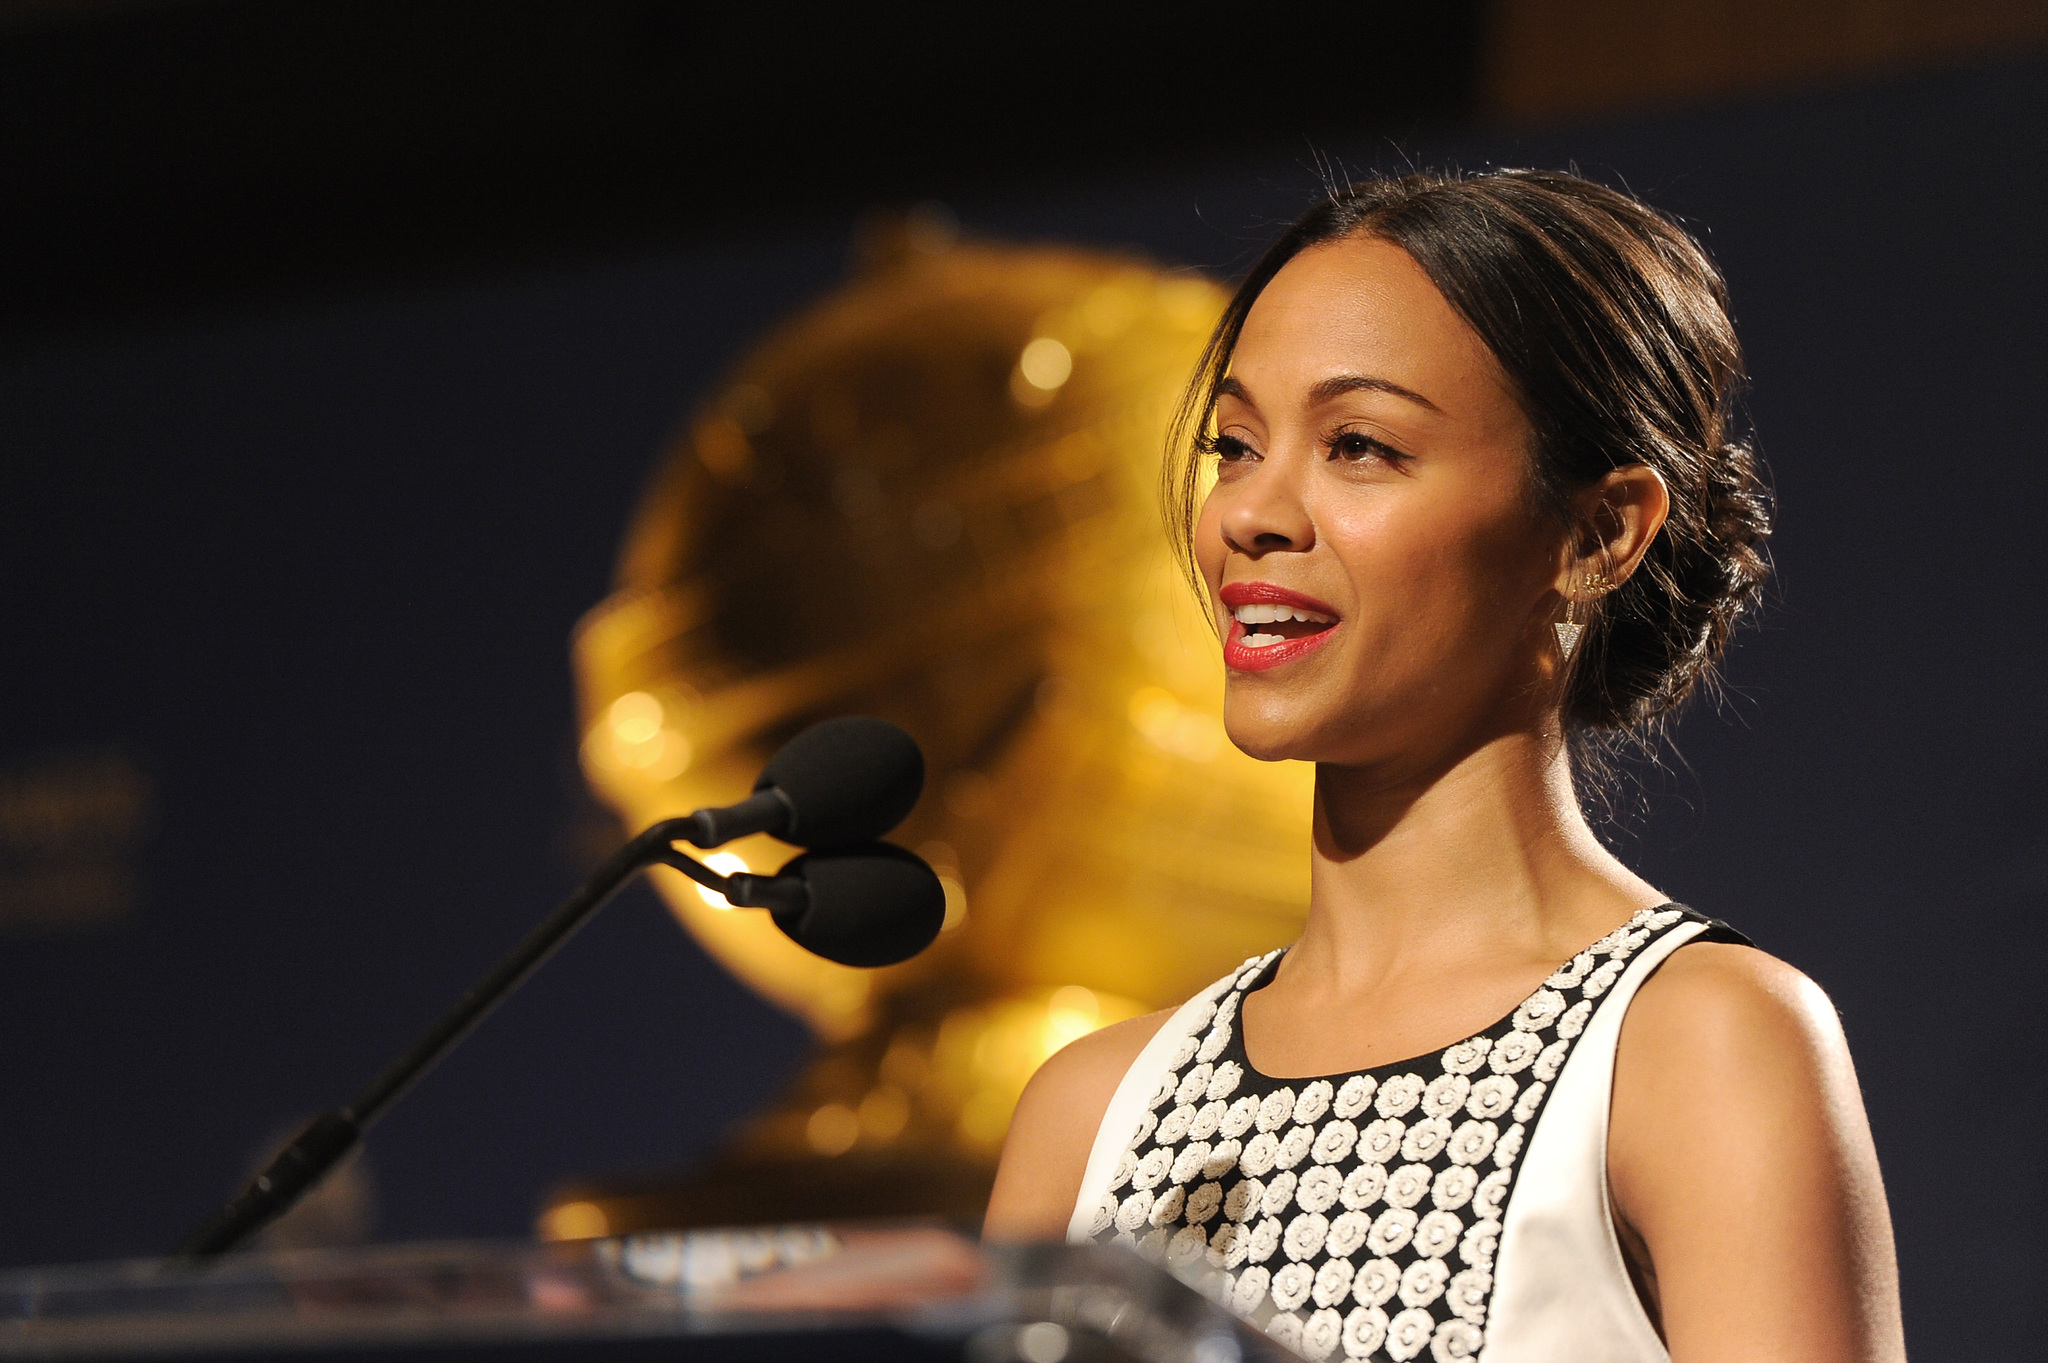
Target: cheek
(1389,551)
(1209,552)
(1442,560)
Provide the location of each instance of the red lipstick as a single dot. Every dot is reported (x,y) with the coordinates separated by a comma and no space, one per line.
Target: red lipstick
(1240,656)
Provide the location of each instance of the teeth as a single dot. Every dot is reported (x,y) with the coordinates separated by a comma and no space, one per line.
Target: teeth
(1263,640)
(1273,615)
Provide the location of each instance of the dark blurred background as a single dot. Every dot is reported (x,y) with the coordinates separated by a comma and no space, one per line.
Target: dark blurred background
(337,339)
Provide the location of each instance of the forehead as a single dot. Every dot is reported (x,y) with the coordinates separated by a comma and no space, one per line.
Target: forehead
(1361,305)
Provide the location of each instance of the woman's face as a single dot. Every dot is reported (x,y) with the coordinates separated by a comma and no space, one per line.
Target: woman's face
(1373,477)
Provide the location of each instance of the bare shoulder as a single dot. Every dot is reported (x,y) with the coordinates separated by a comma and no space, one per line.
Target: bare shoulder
(1722,1037)
(1742,1168)
(1063,1104)
(1054,1128)
(1730,1012)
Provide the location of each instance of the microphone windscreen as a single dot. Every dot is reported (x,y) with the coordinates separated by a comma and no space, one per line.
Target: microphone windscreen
(848,780)
(866,906)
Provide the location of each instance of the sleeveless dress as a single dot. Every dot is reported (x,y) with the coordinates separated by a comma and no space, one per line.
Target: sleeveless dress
(1454,1206)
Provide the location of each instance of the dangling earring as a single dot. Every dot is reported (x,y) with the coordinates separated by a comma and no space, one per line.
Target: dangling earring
(1569,629)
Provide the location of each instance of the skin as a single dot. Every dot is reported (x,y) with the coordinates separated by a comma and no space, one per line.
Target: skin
(1452,869)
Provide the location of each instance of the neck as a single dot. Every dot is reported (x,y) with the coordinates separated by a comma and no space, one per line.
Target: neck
(1489,853)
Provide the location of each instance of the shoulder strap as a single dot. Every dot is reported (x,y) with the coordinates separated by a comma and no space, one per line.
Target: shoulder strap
(1718,931)
(1561,1287)
(1133,1098)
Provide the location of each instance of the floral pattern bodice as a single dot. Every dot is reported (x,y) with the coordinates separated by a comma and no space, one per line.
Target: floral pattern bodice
(1356,1215)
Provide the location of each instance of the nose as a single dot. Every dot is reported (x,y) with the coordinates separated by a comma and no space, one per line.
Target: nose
(1263,513)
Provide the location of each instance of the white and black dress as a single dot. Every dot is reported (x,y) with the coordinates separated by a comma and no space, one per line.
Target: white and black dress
(1453,1206)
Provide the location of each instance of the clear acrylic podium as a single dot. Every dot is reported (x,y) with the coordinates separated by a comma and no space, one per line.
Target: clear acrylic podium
(845,1293)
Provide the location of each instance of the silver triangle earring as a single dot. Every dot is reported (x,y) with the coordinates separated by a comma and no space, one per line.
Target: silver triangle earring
(1569,629)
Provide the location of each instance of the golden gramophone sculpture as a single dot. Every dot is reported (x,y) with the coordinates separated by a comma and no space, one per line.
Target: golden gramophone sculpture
(933,498)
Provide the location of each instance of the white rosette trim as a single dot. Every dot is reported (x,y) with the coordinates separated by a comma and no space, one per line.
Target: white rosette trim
(1408,1185)
(1422,1282)
(1398,1096)
(1225,1080)
(1305,1236)
(1376,1282)
(1408,1334)
(1313,1102)
(1318,1189)
(1445,1094)
(1456,1341)
(1437,1234)
(1294,1146)
(1363,1186)
(1333,1282)
(1292,1284)
(1347,1233)
(1365,1329)
(1250,1290)
(1320,1333)
(1467,1293)
(1334,1142)
(1354,1097)
(1391,1233)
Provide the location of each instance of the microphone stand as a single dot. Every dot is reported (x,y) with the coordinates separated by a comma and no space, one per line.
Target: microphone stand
(324,1141)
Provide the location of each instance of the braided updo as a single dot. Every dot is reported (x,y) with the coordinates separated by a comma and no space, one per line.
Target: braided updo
(1612,326)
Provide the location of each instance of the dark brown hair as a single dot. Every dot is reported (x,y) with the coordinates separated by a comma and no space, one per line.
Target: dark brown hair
(1612,326)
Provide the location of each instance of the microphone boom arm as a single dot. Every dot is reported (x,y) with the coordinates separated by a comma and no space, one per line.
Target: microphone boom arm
(330,1136)
(812,773)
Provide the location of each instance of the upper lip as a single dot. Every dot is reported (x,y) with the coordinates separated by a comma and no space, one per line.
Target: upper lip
(1235,594)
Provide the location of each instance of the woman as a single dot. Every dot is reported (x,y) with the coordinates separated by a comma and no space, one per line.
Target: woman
(1477,511)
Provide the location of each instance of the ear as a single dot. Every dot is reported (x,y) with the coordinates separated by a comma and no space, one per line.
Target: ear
(1614,522)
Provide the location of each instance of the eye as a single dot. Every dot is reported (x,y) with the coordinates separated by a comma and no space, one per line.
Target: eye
(1357,447)
(1229,449)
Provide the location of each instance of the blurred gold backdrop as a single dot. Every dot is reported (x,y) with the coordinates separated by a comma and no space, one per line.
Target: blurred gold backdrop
(932,497)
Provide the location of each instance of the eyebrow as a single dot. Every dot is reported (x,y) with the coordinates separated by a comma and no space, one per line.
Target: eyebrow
(1336,387)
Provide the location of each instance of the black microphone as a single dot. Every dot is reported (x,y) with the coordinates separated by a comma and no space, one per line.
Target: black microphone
(865,906)
(834,788)
(837,784)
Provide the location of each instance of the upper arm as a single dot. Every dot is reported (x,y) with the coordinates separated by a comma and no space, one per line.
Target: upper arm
(1053,1130)
(1740,1155)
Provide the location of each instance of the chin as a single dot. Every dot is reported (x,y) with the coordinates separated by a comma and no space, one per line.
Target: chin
(1270,734)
